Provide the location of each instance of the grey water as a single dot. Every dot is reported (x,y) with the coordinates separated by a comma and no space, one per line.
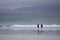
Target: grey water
(28,19)
(10,19)
(30,30)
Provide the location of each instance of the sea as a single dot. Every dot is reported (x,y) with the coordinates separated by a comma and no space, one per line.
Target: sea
(27,24)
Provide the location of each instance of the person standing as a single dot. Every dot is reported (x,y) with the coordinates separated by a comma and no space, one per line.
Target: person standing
(38,28)
(41,26)
(37,25)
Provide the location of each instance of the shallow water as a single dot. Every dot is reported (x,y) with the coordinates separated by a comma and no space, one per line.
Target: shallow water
(30,30)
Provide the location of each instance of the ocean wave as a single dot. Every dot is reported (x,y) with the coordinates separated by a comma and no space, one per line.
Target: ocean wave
(16,25)
(34,25)
(30,27)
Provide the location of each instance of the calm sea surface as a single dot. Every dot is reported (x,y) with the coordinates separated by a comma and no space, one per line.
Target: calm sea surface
(10,19)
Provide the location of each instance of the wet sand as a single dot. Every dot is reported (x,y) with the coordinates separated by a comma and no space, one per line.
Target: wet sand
(29,37)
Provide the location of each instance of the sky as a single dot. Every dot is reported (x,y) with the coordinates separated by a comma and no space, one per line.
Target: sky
(12,4)
(30,6)
(37,8)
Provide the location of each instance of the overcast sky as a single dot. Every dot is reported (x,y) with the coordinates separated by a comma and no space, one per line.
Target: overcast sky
(25,3)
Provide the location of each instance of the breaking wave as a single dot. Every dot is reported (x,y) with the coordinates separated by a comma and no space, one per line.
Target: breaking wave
(29,27)
(16,25)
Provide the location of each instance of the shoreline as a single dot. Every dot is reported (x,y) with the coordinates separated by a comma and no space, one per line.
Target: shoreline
(29,37)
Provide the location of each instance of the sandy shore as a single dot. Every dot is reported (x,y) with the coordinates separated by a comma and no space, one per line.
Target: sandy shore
(29,37)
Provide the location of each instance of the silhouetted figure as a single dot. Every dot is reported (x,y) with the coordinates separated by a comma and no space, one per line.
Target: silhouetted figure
(41,26)
(37,25)
(38,28)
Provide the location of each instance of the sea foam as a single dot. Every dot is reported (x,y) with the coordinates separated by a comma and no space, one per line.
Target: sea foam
(34,25)
(17,25)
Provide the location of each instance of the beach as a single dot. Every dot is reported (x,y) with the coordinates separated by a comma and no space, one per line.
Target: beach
(29,33)
(29,37)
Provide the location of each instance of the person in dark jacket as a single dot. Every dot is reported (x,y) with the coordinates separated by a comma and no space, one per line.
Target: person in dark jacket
(37,25)
(41,26)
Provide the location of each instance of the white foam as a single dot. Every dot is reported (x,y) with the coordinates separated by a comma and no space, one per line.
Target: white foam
(34,25)
(16,25)
(51,25)
(23,26)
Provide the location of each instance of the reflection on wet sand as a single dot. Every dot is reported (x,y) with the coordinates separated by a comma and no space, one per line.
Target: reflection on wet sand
(39,32)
